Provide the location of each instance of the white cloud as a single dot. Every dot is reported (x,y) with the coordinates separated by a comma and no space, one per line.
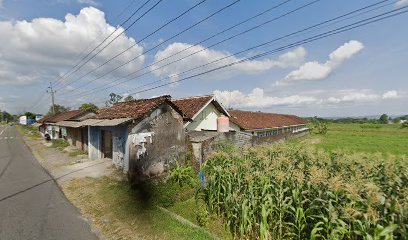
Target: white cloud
(257,99)
(88,2)
(316,71)
(390,95)
(354,95)
(401,3)
(44,48)
(204,56)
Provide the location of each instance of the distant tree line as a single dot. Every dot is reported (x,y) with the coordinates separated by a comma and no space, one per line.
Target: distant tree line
(7,117)
(383,119)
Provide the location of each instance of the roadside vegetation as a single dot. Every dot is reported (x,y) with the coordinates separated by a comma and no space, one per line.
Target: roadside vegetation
(122,211)
(59,144)
(294,191)
(29,131)
(77,152)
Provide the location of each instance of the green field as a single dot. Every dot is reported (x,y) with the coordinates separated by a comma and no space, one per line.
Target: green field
(369,138)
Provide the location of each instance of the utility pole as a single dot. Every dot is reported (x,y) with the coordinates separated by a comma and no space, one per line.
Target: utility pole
(52,92)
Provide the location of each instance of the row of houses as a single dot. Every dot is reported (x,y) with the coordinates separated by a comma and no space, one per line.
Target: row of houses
(145,137)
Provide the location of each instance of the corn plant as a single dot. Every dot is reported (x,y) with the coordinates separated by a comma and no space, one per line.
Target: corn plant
(293,191)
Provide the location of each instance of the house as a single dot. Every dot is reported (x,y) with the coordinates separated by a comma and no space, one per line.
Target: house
(201,112)
(76,133)
(143,137)
(51,125)
(260,124)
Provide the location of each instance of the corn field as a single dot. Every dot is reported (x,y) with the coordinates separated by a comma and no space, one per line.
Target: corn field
(292,191)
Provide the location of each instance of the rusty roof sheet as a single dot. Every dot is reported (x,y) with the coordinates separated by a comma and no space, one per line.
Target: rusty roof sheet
(63,116)
(259,120)
(132,109)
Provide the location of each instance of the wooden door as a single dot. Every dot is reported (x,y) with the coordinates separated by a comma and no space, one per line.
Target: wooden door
(106,144)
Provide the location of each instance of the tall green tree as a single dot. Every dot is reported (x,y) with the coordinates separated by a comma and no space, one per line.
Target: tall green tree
(58,109)
(89,106)
(113,98)
(6,117)
(30,115)
(383,119)
(128,98)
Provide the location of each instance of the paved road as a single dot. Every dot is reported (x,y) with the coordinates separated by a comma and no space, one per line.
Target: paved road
(31,204)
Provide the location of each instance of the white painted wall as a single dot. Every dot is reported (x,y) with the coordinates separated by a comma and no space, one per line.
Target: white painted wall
(205,120)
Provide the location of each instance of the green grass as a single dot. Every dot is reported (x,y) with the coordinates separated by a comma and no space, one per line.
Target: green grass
(59,144)
(188,210)
(121,212)
(29,131)
(77,153)
(369,138)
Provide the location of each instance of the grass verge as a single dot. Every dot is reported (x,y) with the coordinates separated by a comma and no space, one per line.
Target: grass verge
(120,212)
(77,153)
(60,144)
(28,131)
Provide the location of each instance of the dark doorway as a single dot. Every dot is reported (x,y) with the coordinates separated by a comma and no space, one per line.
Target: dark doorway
(106,144)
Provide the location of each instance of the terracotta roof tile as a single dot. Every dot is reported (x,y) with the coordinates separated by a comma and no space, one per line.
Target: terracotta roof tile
(259,120)
(191,105)
(63,116)
(132,109)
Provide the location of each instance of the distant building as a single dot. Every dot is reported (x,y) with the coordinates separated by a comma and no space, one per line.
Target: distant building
(201,112)
(22,120)
(260,124)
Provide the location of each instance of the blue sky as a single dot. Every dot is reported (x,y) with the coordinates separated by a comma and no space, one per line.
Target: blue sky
(355,73)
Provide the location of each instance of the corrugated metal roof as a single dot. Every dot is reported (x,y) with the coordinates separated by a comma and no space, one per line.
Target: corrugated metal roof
(72,124)
(90,122)
(111,122)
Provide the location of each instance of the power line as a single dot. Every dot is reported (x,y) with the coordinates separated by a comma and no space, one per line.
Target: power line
(110,42)
(311,39)
(135,44)
(85,49)
(196,44)
(156,46)
(326,34)
(240,52)
(69,73)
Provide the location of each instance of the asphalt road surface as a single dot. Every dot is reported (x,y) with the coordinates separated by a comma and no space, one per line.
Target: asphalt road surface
(31,204)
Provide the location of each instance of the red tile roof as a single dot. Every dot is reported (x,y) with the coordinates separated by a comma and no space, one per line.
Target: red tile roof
(133,109)
(62,116)
(259,120)
(192,105)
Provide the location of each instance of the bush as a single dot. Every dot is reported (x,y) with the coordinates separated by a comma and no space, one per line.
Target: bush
(404,124)
(182,174)
(202,216)
(320,128)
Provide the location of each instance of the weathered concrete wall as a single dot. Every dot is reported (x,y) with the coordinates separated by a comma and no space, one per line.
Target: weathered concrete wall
(119,137)
(78,137)
(155,143)
(204,149)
